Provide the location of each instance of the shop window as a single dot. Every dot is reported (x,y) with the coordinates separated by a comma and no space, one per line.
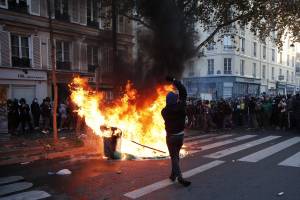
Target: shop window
(63,55)
(20,51)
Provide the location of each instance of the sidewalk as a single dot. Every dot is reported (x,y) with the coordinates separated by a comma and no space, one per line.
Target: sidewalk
(37,146)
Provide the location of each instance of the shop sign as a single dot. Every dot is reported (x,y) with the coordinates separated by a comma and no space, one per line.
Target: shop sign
(22,75)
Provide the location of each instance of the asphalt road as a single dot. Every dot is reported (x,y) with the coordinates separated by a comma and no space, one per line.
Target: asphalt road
(251,166)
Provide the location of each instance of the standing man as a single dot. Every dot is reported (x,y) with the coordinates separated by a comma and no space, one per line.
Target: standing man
(174,116)
(35,111)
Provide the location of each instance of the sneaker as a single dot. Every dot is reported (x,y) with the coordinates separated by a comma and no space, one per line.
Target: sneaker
(183,182)
(44,131)
(172,178)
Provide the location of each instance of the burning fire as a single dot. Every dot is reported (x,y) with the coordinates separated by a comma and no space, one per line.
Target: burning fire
(141,122)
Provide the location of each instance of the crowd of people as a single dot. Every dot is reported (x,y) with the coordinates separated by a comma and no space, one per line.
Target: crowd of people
(23,119)
(264,112)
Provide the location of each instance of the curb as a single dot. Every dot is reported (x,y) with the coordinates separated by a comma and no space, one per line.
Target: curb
(48,156)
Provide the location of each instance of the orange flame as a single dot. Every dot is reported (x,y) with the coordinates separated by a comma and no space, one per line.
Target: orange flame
(141,124)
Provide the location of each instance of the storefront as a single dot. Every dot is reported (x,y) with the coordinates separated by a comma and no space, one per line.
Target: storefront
(23,83)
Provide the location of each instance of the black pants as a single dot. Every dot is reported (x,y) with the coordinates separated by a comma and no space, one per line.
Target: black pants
(36,120)
(174,144)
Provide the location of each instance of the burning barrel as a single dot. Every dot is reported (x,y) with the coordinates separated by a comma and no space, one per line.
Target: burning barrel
(110,143)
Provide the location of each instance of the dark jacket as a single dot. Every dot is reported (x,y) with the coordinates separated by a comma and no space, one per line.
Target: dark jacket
(35,109)
(296,107)
(174,114)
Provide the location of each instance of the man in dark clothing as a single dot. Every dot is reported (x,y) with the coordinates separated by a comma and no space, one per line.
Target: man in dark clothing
(296,108)
(46,114)
(24,116)
(35,111)
(174,116)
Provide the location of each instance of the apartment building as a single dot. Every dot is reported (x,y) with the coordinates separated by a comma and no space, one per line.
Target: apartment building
(83,46)
(238,64)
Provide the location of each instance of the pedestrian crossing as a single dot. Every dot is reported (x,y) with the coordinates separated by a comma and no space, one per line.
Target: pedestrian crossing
(15,188)
(198,144)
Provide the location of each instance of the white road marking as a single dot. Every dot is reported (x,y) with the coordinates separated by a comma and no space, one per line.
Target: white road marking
(14,187)
(293,161)
(222,143)
(10,179)
(166,182)
(31,195)
(255,157)
(207,140)
(199,137)
(241,147)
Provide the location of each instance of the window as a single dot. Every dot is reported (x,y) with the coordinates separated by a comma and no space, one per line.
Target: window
(288,60)
(121,24)
(242,67)
(17,5)
(254,70)
(273,76)
(264,71)
(92,53)
(293,61)
(287,75)
(63,55)
(210,66)
(227,65)
(264,52)
(292,77)
(243,28)
(243,45)
(280,57)
(3,3)
(273,55)
(254,48)
(20,51)
(61,9)
(227,42)
(92,13)
(210,46)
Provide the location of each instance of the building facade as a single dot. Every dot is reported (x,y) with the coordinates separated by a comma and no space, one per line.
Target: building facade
(238,64)
(83,46)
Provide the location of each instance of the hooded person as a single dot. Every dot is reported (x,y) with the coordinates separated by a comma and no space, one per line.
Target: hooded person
(174,116)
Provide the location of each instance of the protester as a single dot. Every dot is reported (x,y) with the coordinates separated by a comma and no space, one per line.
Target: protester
(24,116)
(35,111)
(174,116)
(46,114)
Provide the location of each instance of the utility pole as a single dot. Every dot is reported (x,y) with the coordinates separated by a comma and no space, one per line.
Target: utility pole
(53,64)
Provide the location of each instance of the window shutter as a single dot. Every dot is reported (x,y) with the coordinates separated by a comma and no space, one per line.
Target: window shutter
(74,6)
(76,56)
(35,7)
(83,57)
(83,12)
(49,55)
(36,48)
(5,50)
(43,7)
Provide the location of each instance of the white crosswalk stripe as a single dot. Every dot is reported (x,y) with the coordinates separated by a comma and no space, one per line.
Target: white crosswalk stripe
(241,147)
(257,156)
(207,140)
(293,161)
(198,137)
(222,143)
(11,185)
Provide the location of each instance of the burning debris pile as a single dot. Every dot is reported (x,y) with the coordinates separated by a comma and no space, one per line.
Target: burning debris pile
(139,120)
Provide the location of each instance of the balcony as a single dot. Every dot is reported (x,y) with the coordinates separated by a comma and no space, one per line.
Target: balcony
(63,65)
(229,47)
(93,24)
(20,62)
(92,68)
(62,16)
(21,7)
(228,72)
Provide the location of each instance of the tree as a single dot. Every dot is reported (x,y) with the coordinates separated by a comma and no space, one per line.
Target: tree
(262,16)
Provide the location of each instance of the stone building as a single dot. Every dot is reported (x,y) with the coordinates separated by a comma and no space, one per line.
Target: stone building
(83,41)
(238,64)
